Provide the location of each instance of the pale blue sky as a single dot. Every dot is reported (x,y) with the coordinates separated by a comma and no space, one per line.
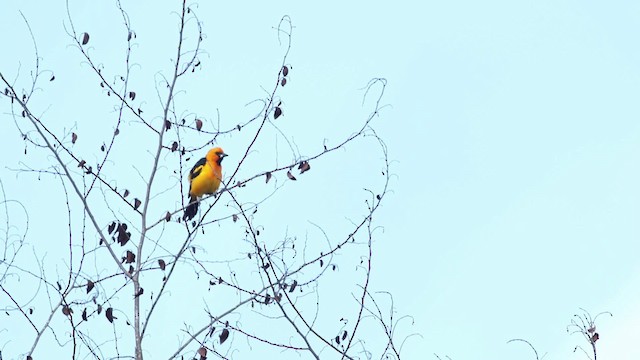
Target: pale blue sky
(513,126)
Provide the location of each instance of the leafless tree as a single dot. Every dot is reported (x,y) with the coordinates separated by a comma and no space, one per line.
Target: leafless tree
(585,325)
(135,280)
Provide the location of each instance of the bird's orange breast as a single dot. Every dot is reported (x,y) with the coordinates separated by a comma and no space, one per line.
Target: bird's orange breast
(207,182)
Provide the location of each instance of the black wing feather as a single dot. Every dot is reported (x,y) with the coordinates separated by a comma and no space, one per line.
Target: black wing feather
(197,168)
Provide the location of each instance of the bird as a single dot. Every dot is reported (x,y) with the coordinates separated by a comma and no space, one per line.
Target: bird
(204,178)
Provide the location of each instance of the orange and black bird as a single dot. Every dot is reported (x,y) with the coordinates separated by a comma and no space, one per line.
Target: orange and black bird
(204,178)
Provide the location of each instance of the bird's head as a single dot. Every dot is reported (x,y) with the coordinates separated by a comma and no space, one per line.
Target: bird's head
(216,155)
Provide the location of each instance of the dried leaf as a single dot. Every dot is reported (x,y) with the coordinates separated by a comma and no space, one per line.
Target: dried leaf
(66,310)
(136,203)
(85,38)
(126,193)
(84,314)
(123,234)
(140,292)
(111,227)
(223,336)
(167,217)
(132,95)
(109,315)
(130,257)
(81,163)
(174,146)
(344,335)
(277,112)
(198,124)
(290,175)
(283,82)
(167,124)
(53,77)
(293,285)
(162,264)
(285,71)
(116,132)
(304,166)
(99,309)
(102,147)
(202,352)
(595,337)
(74,137)
(234,217)
(268,177)
(90,286)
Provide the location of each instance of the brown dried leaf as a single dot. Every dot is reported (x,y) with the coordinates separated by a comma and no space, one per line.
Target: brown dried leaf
(132,95)
(283,82)
(90,286)
(285,71)
(84,314)
(167,217)
(74,137)
(268,177)
(131,257)
(66,310)
(174,146)
(304,166)
(290,175)
(85,38)
(224,335)
(595,337)
(109,315)
(234,217)
(167,124)
(198,124)
(81,163)
(136,203)
(202,352)
(277,112)
(140,292)
(162,264)
(126,193)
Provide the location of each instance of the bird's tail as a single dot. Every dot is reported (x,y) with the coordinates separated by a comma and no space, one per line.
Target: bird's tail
(191,210)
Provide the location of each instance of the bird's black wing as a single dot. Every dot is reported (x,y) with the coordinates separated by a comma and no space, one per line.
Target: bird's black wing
(197,168)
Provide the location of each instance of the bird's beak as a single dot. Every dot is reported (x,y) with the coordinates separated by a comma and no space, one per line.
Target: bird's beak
(223,155)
